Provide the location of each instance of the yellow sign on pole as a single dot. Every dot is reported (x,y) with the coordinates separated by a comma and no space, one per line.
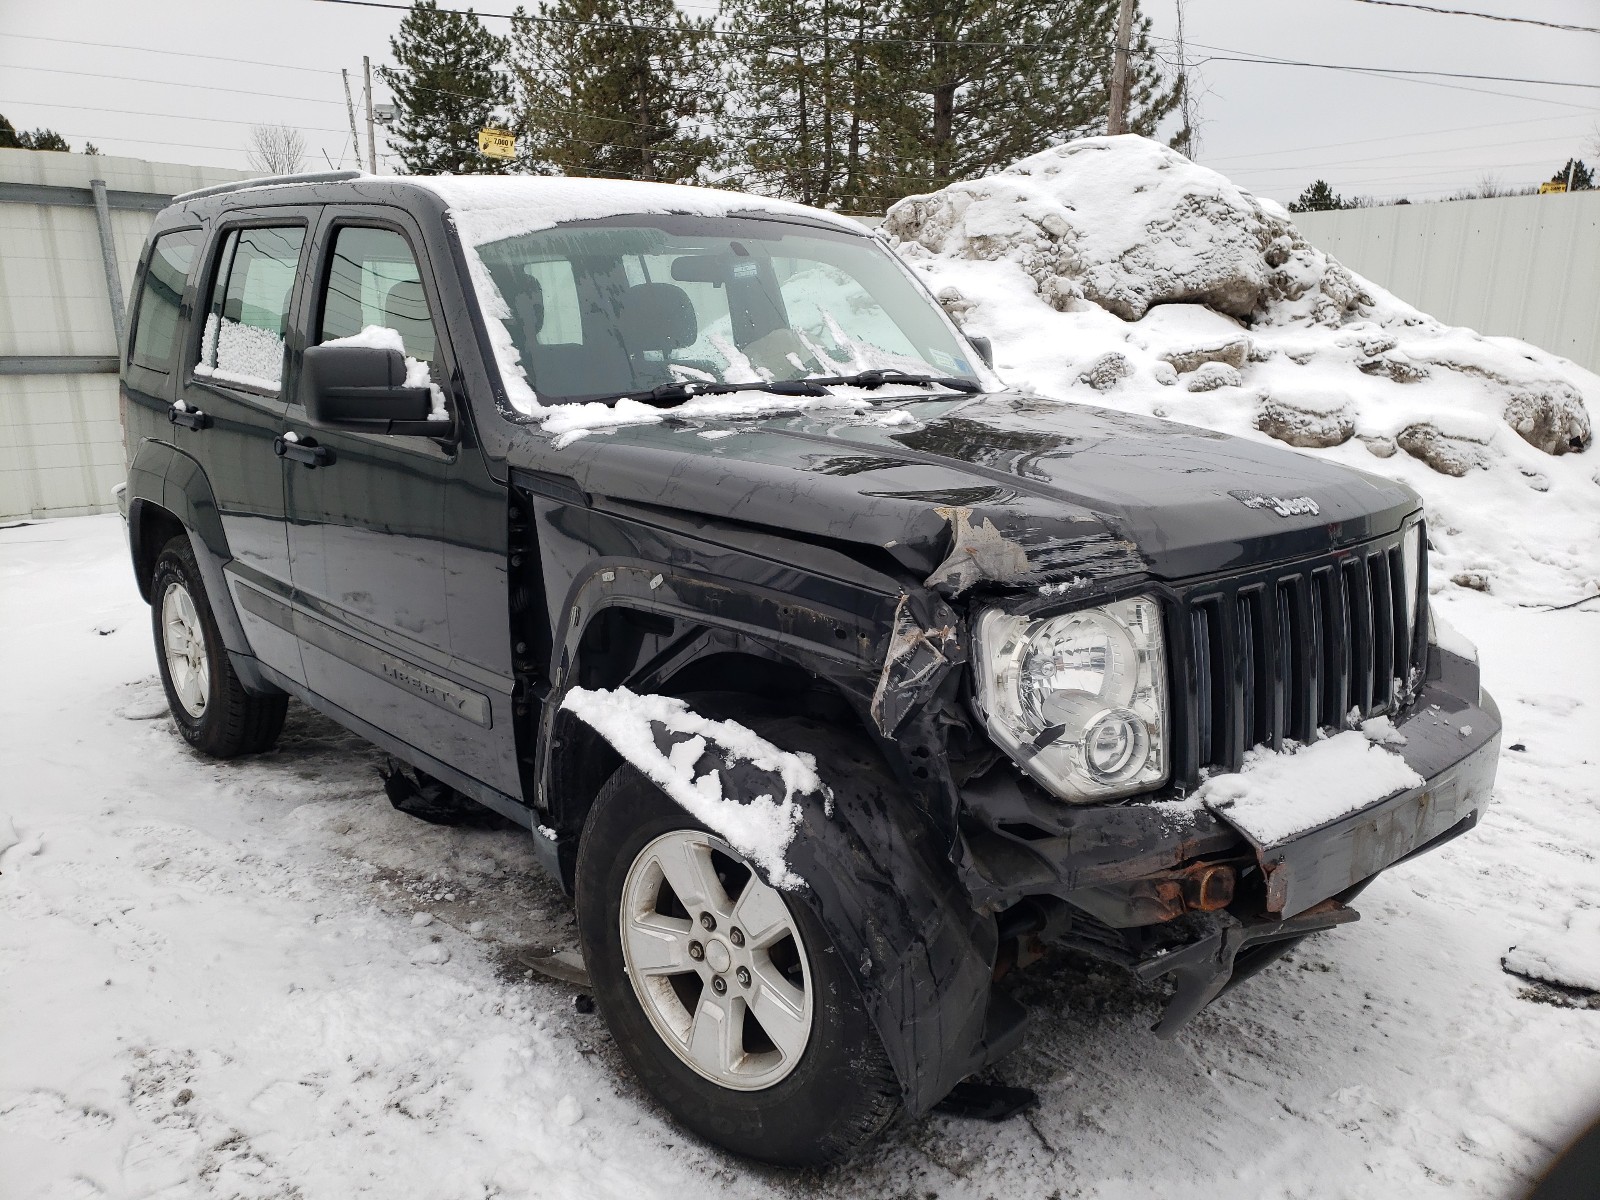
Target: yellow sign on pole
(497,143)
(1546,188)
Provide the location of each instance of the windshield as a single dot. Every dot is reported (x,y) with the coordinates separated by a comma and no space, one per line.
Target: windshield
(605,308)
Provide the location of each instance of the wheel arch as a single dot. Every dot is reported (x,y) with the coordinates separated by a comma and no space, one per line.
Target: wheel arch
(728,677)
(169,494)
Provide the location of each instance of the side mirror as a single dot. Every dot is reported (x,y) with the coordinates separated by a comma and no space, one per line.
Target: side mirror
(362,389)
(984,347)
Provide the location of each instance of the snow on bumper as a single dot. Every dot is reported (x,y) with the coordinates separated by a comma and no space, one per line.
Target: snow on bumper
(1451,750)
(1109,859)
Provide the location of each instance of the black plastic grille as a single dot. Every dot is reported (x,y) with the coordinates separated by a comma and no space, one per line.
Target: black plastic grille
(1283,653)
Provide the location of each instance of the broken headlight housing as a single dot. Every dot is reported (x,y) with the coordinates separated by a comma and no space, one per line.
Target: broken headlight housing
(1079,699)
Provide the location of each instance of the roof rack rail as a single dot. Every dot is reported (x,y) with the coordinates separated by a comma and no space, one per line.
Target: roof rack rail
(266,180)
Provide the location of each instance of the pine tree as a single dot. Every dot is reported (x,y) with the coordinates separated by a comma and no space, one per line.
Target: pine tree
(448,86)
(807,93)
(978,84)
(1319,197)
(1582,178)
(626,89)
(38,139)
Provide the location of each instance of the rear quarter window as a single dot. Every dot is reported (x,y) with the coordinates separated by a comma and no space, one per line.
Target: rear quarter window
(155,323)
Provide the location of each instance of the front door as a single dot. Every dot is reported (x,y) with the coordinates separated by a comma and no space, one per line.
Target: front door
(380,534)
(234,394)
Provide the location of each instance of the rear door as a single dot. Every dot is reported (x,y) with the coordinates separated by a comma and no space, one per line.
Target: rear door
(234,398)
(396,543)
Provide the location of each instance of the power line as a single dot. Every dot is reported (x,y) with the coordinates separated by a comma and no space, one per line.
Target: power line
(1467,12)
(205,87)
(1292,62)
(1321,164)
(117,137)
(1397,75)
(248,62)
(133,112)
(1478,170)
(1233,158)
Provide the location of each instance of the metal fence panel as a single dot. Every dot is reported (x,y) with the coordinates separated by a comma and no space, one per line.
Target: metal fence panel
(1518,266)
(60,435)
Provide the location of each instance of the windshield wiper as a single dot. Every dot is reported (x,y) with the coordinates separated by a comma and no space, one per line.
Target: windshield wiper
(877,378)
(677,393)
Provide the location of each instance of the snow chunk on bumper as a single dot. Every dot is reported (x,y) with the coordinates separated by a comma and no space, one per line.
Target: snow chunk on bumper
(1278,797)
(665,740)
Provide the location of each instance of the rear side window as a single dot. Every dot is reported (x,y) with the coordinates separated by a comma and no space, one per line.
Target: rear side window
(248,318)
(155,324)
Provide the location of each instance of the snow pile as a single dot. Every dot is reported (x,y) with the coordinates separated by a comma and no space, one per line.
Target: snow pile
(1115,271)
(1280,796)
(760,828)
(418,374)
(1569,956)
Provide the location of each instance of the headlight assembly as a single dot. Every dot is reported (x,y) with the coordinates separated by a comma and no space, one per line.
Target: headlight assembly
(1079,699)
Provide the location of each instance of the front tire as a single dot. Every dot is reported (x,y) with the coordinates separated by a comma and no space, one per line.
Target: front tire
(780,1062)
(209,705)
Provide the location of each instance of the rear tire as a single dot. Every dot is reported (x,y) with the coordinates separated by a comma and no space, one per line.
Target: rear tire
(811,1108)
(210,706)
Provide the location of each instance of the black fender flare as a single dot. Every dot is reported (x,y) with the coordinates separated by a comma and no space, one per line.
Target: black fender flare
(163,476)
(876,875)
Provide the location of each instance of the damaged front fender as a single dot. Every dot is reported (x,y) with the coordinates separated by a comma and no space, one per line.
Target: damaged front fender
(924,647)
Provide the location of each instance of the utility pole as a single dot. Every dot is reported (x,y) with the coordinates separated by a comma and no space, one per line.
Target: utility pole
(350,107)
(1117,118)
(372,150)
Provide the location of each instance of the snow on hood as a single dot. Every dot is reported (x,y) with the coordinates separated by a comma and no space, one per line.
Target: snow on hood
(759,827)
(1115,271)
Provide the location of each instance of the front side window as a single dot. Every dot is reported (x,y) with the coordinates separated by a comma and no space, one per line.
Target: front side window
(155,323)
(248,319)
(374,297)
(623,305)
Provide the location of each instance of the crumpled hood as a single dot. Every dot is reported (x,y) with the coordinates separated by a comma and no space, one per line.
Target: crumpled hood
(1005,489)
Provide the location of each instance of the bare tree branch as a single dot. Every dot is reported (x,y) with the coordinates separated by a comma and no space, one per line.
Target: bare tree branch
(276,149)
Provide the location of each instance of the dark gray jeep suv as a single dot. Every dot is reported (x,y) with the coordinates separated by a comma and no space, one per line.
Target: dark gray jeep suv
(833,679)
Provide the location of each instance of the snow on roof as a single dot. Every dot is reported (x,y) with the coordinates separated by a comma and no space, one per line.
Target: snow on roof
(490,207)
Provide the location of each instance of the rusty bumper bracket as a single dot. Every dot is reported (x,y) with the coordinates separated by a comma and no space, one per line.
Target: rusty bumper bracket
(1237,950)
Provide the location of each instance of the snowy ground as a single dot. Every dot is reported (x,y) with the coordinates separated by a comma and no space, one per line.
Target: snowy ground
(215,979)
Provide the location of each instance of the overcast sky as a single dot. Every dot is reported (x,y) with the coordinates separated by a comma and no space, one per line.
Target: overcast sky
(1273,128)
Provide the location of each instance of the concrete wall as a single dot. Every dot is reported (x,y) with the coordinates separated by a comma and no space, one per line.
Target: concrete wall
(60,434)
(1521,266)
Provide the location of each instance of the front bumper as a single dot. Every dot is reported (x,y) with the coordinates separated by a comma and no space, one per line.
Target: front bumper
(1119,874)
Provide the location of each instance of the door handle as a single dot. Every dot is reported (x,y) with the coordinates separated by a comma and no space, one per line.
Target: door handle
(189,418)
(305,450)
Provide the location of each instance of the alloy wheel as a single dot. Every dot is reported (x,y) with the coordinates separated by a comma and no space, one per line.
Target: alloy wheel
(716,960)
(184,642)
